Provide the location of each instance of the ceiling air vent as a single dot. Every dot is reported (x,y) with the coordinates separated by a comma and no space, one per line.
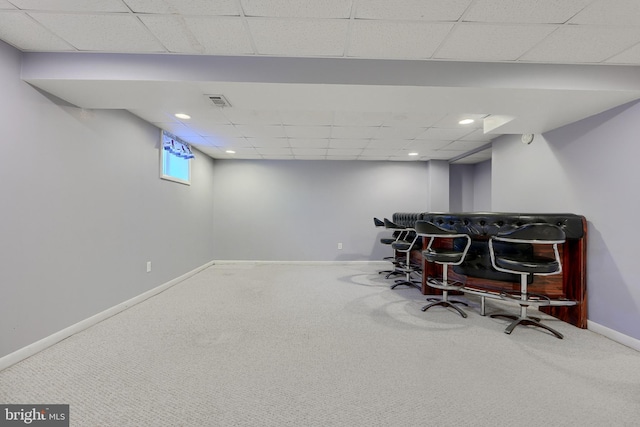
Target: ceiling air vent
(219,100)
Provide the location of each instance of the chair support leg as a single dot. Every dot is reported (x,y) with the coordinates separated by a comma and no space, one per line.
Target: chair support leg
(445,304)
(407,280)
(444,300)
(524,318)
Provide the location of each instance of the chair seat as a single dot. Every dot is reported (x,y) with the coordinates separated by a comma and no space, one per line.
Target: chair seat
(387,240)
(443,256)
(537,265)
(401,245)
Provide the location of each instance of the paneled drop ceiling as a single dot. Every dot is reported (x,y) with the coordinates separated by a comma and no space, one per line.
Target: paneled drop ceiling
(335,79)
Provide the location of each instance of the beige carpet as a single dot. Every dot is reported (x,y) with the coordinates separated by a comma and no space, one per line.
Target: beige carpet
(324,345)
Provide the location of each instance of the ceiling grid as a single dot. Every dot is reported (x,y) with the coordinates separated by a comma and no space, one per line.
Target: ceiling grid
(352,125)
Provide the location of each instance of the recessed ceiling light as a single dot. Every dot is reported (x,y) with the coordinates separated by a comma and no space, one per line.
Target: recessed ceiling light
(230,152)
(182,116)
(466,121)
(413,154)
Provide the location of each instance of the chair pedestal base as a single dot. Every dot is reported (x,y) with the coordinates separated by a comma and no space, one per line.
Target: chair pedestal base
(390,273)
(524,319)
(445,303)
(401,282)
(444,300)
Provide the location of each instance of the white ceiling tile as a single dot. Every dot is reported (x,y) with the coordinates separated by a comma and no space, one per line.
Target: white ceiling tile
(427,10)
(441,155)
(257,131)
(299,37)
(332,157)
(443,134)
(220,130)
(629,56)
(397,40)
(191,7)
(110,33)
(269,142)
(228,142)
(397,132)
(306,118)
(24,33)
(524,11)
(369,156)
(308,131)
(244,153)
(412,119)
(209,127)
(567,44)
(492,42)
(426,145)
(270,151)
(353,132)
(193,139)
(348,143)
(200,35)
(344,151)
(72,5)
(309,157)
(213,152)
(357,118)
(610,12)
(298,8)
(309,142)
(309,151)
(4,4)
(386,144)
(278,157)
(178,129)
(252,117)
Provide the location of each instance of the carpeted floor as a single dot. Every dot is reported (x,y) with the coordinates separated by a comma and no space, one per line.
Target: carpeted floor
(324,345)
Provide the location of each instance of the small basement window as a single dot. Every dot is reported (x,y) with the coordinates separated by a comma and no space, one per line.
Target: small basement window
(175,159)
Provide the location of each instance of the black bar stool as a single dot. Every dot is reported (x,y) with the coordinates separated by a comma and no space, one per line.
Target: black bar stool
(527,264)
(446,257)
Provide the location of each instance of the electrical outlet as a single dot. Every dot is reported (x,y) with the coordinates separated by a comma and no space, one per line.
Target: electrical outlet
(148,266)
(340,245)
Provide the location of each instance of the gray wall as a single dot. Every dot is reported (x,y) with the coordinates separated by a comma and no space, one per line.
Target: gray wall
(83,210)
(300,210)
(589,168)
(470,187)
(461,188)
(482,187)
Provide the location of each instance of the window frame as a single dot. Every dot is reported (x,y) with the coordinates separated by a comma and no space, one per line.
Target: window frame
(163,153)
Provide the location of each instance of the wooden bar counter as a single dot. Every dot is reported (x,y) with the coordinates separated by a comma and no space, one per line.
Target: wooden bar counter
(481,279)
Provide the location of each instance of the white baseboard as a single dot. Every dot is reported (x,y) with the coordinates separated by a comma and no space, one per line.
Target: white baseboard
(248,262)
(614,335)
(38,346)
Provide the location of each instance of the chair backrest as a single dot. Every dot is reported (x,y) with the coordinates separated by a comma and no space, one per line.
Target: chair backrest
(392,225)
(534,234)
(433,232)
(378,222)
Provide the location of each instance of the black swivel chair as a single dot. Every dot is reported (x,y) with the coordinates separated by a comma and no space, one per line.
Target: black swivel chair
(388,240)
(405,243)
(527,264)
(452,254)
